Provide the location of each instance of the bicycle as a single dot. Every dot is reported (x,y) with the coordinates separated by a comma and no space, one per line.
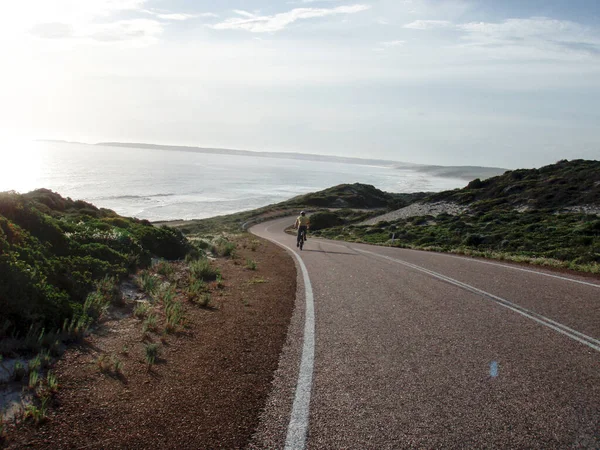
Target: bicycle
(301,237)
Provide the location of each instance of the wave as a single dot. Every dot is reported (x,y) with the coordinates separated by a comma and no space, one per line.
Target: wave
(134,197)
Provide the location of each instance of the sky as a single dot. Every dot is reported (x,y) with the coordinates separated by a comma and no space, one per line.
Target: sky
(452,82)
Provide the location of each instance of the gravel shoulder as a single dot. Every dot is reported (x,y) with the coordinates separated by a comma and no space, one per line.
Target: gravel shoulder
(209,384)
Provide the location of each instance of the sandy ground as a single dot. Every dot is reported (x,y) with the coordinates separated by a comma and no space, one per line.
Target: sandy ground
(419,209)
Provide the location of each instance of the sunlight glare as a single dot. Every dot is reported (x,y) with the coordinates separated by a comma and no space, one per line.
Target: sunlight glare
(19,164)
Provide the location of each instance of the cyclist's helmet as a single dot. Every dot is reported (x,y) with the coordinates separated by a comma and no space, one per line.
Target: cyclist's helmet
(302,213)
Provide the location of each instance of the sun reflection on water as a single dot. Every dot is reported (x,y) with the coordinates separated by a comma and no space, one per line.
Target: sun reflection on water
(20,165)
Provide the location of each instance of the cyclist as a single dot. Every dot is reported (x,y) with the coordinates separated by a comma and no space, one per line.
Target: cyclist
(302,224)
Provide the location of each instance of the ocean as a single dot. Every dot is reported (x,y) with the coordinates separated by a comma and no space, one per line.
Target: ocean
(169,185)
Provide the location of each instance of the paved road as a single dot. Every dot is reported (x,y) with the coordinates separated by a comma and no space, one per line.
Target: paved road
(424,350)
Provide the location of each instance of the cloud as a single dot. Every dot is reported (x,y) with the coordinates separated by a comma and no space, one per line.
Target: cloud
(536,37)
(392,43)
(544,35)
(142,30)
(54,30)
(179,16)
(266,24)
(94,20)
(428,24)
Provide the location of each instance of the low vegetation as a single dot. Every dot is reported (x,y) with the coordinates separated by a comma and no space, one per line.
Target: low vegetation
(530,216)
(549,188)
(60,259)
(344,196)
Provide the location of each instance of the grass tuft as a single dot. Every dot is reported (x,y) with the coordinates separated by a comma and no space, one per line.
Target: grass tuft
(52,382)
(19,371)
(141,310)
(257,280)
(147,282)
(175,316)
(151,351)
(204,270)
(165,269)
(34,378)
(150,324)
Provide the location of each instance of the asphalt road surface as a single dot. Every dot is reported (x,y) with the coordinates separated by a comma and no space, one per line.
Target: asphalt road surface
(405,349)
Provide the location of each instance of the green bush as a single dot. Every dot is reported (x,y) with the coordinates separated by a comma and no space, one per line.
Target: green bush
(55,251)
(324,219)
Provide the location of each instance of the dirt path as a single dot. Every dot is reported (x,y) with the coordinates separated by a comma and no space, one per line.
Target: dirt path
(209,384)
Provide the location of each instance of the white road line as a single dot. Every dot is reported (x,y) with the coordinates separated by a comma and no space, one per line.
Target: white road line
(563,329)
(298,425)
(474,260)
(524,270)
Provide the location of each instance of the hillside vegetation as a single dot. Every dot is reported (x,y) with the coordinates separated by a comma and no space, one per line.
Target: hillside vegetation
(55,251)
(554,187)
(544,216)
(347,197)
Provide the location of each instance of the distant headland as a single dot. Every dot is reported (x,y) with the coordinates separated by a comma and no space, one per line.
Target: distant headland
(463,172)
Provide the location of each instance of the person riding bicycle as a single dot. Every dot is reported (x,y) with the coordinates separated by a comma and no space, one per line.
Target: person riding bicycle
(302,224)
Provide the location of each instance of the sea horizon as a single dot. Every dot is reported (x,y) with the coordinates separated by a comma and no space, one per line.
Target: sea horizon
(164,183)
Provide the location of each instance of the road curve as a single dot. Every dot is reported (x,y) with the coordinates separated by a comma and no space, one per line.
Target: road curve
(417,349)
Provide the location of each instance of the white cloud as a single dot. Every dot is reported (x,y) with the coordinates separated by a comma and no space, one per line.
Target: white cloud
(392,43)
(175,16)
(535,37)
(179,16)
(141,30)
(428,24)
(265,24)
(88,20)
(535,31)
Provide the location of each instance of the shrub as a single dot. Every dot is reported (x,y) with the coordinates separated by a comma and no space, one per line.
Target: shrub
(250,264)
(55,251)
(324,219)
(223,247)
(204,270)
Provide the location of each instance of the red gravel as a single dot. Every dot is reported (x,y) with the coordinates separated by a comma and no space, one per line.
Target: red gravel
(209,384)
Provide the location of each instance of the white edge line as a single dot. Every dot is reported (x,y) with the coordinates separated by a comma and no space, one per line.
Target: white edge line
(475,260)
(465,258)
(584,339)
(298,425)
